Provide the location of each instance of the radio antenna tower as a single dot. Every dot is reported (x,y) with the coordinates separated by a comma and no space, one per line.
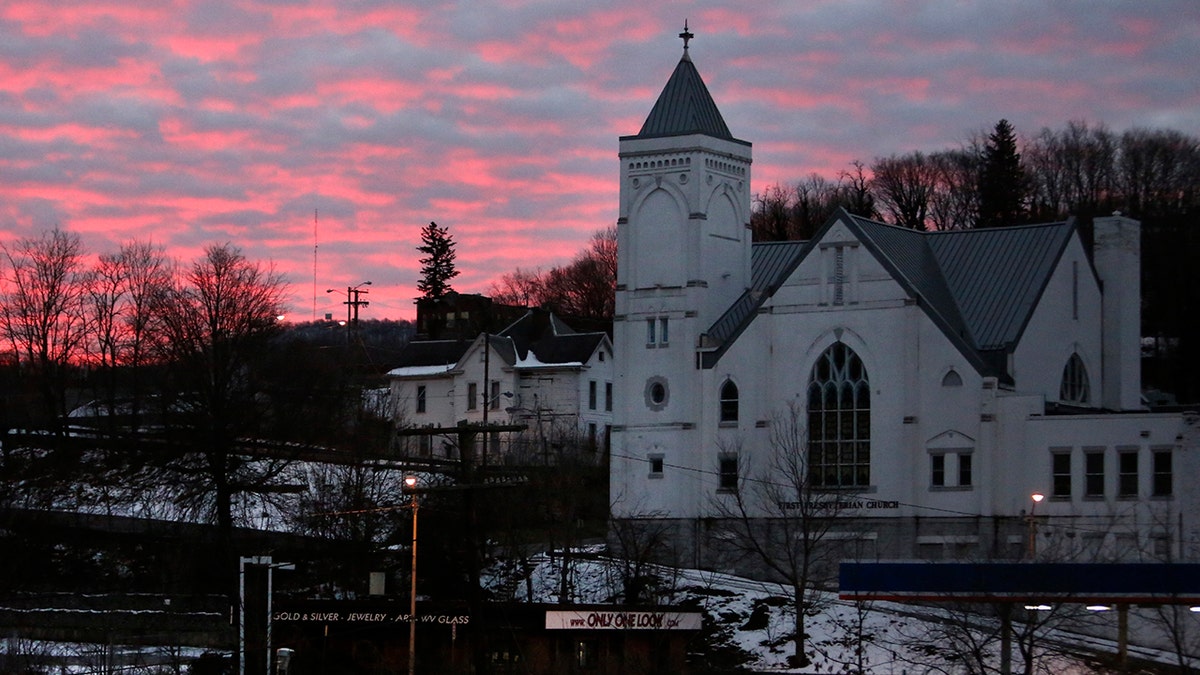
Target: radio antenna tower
(314,314)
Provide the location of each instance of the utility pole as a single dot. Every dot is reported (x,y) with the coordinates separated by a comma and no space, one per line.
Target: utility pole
(353,303)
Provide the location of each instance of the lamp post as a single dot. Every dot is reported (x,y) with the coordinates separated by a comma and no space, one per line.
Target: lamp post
(411,482)
(263,561)
(1037,497)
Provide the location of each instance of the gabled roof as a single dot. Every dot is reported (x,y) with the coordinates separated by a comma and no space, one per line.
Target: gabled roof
(979,286)
(539,338)
(685,107)
(432,353)
(429,357)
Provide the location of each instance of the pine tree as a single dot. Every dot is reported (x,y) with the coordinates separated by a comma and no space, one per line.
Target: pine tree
(1002,180)
(437,268)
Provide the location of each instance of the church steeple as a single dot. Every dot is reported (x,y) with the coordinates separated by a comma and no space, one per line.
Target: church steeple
(685,107)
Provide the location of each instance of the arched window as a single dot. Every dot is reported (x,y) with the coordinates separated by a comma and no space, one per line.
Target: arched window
(952,379)
(1074,388)
(839,420)
(729,402)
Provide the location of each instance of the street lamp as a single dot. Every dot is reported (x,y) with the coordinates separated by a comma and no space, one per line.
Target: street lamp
(1037,497)
(411,482)
(264,561)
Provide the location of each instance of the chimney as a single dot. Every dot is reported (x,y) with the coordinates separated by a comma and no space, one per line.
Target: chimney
(1117,256)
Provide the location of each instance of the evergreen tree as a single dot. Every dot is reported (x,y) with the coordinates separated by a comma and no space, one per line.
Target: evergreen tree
(1002,180)
(437,267)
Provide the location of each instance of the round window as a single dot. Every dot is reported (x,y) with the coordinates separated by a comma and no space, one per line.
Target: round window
(657,393)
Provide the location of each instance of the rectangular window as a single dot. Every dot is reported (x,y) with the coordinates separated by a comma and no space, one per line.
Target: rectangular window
(656,466)
(591,395)
(937,474)
(964,470)
(662,331)
(1163,477)
(1127,473)
(650,336)
(608,396)
(729,472)
(1093,472)
(420,398)
(592,436)
(494,396)
(472,395)
(1060,474)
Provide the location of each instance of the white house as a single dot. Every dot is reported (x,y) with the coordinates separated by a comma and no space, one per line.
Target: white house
(537,372)
(942,378)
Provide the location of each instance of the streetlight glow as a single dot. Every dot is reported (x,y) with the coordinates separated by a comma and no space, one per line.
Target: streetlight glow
(1037,498)
(411,482)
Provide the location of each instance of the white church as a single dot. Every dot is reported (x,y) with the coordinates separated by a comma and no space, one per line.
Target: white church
(942,379)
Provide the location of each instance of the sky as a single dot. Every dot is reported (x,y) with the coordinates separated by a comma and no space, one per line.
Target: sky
(321,136)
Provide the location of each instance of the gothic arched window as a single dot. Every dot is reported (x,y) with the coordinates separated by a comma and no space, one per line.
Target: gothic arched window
(729,402)
(1074,388)
(952,379)
(839,420)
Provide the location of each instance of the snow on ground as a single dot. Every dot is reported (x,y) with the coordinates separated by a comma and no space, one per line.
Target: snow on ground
(755,619)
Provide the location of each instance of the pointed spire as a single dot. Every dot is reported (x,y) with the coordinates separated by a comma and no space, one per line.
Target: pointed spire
(685,106)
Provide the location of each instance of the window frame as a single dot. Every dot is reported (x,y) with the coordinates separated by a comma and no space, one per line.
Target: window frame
(1127,476)
(1093,473)
(1060,476)
(1162,479)
(727,472)
(657,463)
(937,469)
(838,377)
(728,411)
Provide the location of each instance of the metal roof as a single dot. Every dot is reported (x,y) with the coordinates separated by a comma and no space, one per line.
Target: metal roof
(997,275)
(979,286)
(685,107)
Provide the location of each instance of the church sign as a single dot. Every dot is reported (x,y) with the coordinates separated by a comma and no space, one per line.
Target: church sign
(841,505)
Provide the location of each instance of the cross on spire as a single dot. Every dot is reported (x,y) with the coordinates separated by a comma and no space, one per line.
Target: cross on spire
(686,35)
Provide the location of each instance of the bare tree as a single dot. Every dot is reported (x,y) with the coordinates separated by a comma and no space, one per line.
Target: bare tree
(521,287)
(777,516)
(1158,172)
(904,184)
(771,219)
(212,327)
(42,311)
(119,292)
(586,287)
(954,202)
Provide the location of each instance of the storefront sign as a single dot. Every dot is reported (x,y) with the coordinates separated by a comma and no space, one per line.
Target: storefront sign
(615,620)
(369,617)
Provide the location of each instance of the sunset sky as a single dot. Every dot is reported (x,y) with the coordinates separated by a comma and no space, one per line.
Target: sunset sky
(190,123)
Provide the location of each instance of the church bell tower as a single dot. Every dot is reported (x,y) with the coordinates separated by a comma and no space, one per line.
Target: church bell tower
(684,244)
